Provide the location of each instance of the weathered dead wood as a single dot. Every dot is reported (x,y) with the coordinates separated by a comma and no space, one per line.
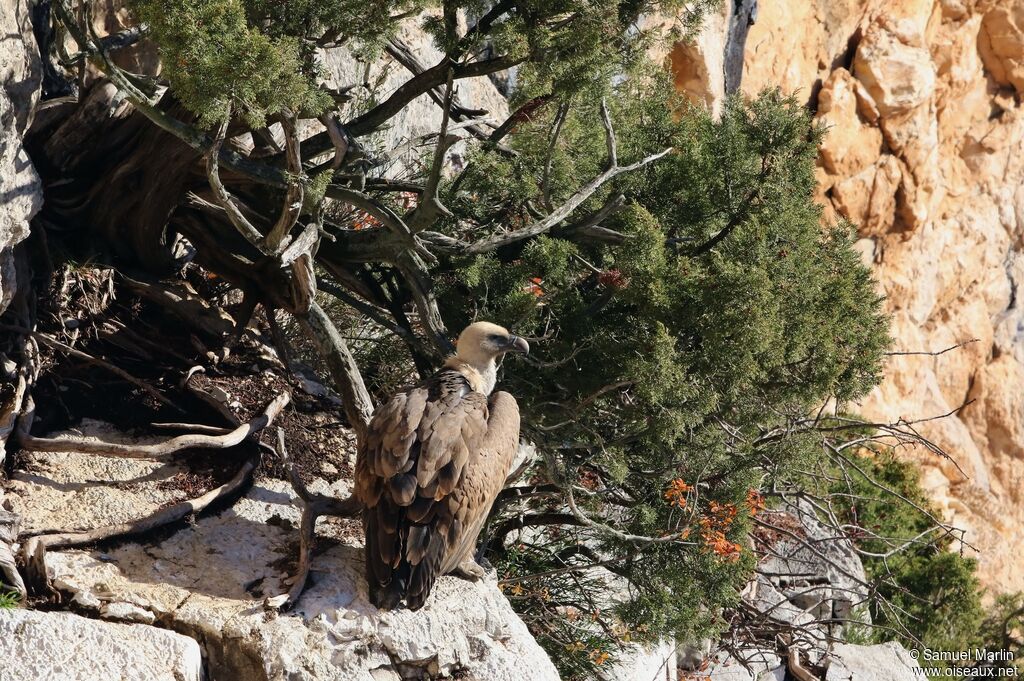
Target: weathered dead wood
(9,575)
(207,397)
(193,428)
(34,550)
(545,224)
(116,327)
(313,506)
(52,342)
(27,371)
(150,451)
(793,662)
(276,239)
(344,370)
(9,413)
(188,307)
(113,335)
(429,208)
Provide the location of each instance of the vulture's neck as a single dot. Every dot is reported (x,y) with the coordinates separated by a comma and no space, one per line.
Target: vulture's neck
(482,374)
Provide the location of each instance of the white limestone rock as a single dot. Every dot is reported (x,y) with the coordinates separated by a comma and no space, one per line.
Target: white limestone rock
(58,646)
(650,663)
(883,662)
(21,192)
(210,580)
(69,491)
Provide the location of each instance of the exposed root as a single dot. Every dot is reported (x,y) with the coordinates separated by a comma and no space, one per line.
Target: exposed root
(794,665)
(207,398)
(9,575)
(149,451)
(25,377)
(313,506)
(34,550)
(114,331)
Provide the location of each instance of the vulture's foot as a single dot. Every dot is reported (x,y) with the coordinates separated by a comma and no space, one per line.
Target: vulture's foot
(471,570)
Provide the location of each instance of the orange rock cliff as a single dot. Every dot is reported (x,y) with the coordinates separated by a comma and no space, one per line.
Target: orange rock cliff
(925,153)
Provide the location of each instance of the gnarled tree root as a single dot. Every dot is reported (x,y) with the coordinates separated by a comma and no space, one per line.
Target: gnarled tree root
(35,548)
(313,506)
(57,345)
(150,451)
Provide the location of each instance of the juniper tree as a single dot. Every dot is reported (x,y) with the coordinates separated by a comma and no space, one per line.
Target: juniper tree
(687,304)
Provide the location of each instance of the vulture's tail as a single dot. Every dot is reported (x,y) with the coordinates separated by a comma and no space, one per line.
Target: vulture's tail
(419,556)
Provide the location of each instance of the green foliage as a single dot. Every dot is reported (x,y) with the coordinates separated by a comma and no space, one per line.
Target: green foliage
(258,58)
(928,593)
(8,600)
(1003,630)
(663,359)
(255,57)
(217,62)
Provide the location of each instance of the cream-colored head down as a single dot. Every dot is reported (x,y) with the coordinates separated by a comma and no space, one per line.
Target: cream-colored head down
(476,353)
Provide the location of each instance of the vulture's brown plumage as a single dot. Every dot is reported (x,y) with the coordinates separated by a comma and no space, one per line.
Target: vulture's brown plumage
(432,462)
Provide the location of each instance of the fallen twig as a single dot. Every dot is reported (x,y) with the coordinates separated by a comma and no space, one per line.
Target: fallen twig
(193,428)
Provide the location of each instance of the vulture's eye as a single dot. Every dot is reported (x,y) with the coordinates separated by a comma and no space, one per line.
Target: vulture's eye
(496,338)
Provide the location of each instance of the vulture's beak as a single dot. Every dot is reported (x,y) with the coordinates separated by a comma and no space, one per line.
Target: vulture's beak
(517,344)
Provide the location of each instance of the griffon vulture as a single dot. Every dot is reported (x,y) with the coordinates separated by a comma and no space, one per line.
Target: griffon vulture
(432,462)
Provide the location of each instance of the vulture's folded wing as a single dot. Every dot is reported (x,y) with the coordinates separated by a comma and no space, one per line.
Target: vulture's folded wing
(409,474)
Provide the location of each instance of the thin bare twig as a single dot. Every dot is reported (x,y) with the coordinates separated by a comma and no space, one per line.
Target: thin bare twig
(556,216)
(935,353)
(429,207)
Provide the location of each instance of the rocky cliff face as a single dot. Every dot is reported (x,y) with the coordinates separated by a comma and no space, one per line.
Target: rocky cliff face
(923,102)
(21,193)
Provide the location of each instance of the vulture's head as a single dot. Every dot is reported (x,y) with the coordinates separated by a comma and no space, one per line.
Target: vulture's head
(482,343)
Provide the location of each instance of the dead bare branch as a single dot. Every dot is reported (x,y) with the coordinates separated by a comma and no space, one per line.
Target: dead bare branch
(52,342)
(276,239)
(235,217)
(9,575)
(933,353)
(338,138)
(184,304)
(148,451)
(429,207)
(313,506)
(545,224)
(344,370)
